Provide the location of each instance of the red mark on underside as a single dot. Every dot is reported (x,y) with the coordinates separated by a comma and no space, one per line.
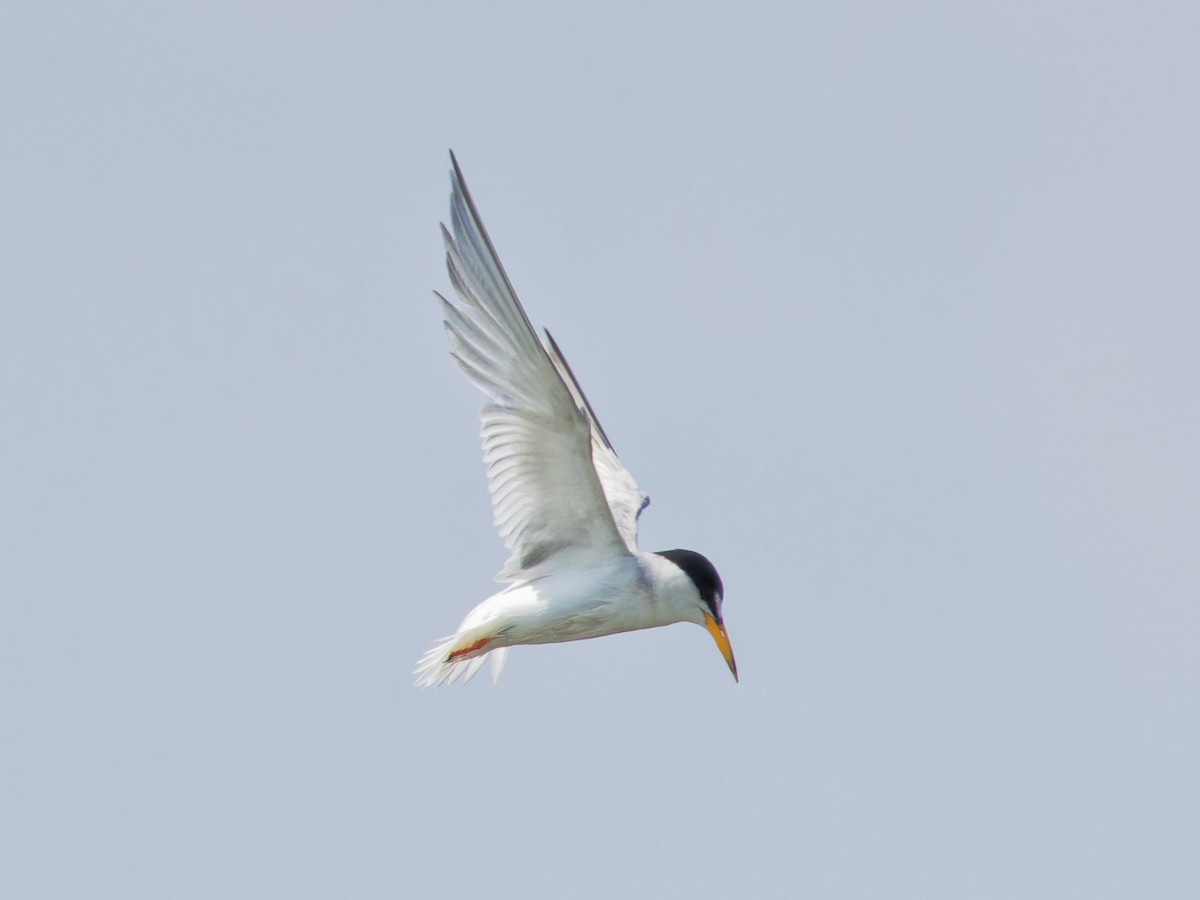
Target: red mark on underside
(461,651)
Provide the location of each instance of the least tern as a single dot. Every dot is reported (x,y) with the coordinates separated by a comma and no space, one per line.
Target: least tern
(565,506)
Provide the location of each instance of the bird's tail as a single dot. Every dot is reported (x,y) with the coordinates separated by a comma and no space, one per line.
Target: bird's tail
(459,656)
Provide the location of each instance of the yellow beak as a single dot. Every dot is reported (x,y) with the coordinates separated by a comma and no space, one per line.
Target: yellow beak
(722,638)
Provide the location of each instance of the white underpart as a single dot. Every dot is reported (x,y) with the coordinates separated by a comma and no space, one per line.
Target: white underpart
(632,592)
(563,503)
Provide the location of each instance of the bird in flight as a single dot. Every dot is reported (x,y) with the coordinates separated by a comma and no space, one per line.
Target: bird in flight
(565,506)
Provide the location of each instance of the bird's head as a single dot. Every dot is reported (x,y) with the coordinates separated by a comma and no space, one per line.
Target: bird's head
(709,595)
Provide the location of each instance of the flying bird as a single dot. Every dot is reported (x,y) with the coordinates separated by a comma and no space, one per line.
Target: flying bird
(565,506)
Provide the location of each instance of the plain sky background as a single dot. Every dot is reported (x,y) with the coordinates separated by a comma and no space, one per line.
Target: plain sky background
(893,308)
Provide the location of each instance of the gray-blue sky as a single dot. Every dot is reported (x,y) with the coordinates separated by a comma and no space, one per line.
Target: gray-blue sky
(893,309)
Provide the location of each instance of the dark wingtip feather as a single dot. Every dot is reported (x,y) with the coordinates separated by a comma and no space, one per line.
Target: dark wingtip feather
(566,365)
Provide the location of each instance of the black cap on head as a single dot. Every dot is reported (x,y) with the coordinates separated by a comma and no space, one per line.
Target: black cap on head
(704,576)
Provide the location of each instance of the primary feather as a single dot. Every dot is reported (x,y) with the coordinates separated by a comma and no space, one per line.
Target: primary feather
(565,506)
(558,492)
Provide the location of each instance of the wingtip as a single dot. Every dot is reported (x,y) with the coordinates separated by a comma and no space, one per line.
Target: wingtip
(456,170)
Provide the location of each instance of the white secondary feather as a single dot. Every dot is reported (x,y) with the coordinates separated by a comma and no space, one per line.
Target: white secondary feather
(560,496)
(625,500)
(565,506)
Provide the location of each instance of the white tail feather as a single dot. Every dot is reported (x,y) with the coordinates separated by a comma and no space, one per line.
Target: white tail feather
(436,667)
(499,655)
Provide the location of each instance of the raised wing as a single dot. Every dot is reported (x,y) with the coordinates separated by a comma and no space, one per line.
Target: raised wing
(547,498)
(625,500)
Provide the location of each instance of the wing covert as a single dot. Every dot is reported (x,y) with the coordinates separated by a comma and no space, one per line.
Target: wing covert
(548,497)
(625,499)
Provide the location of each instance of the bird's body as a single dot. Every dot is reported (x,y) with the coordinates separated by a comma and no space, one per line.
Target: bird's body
(563,502)
(624,593)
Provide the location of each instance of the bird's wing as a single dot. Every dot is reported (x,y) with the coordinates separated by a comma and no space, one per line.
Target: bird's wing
(547,497)
(625,499)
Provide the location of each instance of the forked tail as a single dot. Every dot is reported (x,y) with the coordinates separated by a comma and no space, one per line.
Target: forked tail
(458,656)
